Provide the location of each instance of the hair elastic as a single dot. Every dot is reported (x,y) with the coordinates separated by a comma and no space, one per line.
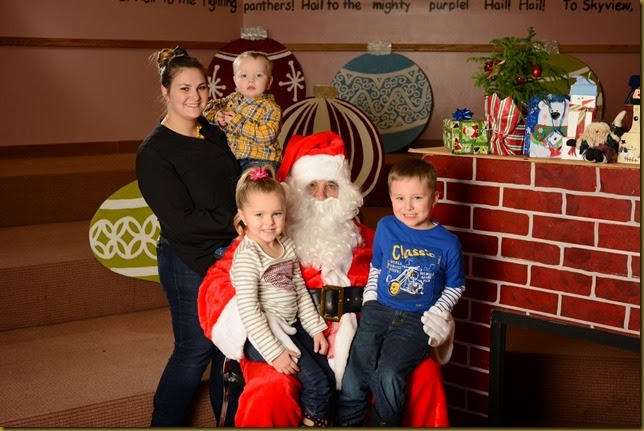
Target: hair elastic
(178,51)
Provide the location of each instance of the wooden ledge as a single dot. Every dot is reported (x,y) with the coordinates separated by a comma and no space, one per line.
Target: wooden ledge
(443,152)
(51,42)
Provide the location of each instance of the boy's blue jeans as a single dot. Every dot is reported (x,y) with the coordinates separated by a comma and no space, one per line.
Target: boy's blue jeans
(388,345)
(315,374)
(192,350)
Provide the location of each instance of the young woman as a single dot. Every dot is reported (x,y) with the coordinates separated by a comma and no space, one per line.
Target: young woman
(187,175)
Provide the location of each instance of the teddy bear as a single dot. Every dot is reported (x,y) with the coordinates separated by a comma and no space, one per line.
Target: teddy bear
(597,143)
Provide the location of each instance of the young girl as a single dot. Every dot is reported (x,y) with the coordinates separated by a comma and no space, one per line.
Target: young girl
(266,275)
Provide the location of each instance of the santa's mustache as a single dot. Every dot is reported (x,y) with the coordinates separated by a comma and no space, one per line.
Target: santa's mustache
(328,211)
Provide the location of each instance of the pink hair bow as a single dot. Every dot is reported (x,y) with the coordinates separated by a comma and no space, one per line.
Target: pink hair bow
(257,174)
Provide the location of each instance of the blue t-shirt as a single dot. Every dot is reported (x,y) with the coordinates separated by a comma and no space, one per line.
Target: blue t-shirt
(415,264)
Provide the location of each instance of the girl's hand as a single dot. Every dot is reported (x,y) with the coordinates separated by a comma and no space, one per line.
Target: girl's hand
(320,344)
(284,364)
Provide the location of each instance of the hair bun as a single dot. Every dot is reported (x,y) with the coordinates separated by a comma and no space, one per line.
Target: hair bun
(178,51)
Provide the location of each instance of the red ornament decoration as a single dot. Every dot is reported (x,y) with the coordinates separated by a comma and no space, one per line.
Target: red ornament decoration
(488,66)
(520,80)
(536,71)
(324,111)
(289,86)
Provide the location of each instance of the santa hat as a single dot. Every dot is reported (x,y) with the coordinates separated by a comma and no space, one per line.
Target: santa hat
(320,156)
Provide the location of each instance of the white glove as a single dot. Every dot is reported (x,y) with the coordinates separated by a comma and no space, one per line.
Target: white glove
(438,325)
(281,330)
(336,277)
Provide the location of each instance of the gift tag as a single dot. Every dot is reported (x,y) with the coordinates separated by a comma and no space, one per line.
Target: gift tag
(554,139)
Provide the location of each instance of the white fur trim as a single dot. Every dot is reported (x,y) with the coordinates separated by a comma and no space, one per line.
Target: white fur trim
(343,339)
(319,167)
(229,333)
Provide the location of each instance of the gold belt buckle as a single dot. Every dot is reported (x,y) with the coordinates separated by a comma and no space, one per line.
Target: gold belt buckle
(340,291)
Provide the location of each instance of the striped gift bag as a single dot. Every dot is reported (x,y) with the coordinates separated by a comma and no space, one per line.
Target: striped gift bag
(507,128)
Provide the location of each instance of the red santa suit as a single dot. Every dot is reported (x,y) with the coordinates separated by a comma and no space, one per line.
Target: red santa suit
(271,399)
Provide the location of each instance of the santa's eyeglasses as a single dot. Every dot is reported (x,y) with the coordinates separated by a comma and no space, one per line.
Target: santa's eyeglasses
(330,188)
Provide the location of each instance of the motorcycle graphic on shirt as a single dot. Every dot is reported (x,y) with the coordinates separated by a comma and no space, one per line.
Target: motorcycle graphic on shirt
(407,281)
(410,270)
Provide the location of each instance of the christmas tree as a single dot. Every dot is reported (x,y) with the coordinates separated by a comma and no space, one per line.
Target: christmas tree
(519,68)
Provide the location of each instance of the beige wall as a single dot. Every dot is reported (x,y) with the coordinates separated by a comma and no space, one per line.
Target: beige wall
(68,95)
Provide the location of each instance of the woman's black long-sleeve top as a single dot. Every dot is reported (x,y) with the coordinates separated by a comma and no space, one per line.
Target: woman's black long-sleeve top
(189,183)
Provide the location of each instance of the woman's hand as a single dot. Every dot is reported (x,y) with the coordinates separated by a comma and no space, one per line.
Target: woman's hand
(320,344)
(285,364)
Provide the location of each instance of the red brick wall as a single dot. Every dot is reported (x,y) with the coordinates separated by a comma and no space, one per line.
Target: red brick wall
(556,240)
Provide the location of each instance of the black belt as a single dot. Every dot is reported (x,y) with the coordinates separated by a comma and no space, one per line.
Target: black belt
(333,301)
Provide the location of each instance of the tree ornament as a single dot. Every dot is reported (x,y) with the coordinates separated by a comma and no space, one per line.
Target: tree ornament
(520,80)
(536,71)
(488,66)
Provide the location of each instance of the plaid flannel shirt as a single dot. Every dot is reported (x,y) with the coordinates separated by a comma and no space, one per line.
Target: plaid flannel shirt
(252,132)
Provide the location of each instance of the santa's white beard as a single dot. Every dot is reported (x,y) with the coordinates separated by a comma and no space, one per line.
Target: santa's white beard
(324,232)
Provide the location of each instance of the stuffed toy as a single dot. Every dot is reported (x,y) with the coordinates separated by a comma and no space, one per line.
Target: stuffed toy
(597,143)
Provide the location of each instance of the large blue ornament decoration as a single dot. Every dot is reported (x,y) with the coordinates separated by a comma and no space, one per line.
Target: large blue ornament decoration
(392,90)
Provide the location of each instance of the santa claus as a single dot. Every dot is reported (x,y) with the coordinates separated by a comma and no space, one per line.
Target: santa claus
(334,252)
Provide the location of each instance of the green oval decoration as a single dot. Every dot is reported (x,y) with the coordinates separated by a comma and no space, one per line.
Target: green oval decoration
(123,234)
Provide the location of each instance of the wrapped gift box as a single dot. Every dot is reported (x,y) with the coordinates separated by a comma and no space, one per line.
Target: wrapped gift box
(546,126)
(582,113)
(583,106)
(465,136)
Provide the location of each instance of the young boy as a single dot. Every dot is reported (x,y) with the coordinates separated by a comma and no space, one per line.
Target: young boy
(417,265)
(250,117)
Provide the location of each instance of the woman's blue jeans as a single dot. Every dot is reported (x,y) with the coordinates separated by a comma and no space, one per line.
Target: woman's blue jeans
(315,374)
(388,345)
(192,350)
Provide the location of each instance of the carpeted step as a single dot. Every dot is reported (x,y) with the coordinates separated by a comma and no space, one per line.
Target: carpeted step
(56,189)
(49,275)
(99,372)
